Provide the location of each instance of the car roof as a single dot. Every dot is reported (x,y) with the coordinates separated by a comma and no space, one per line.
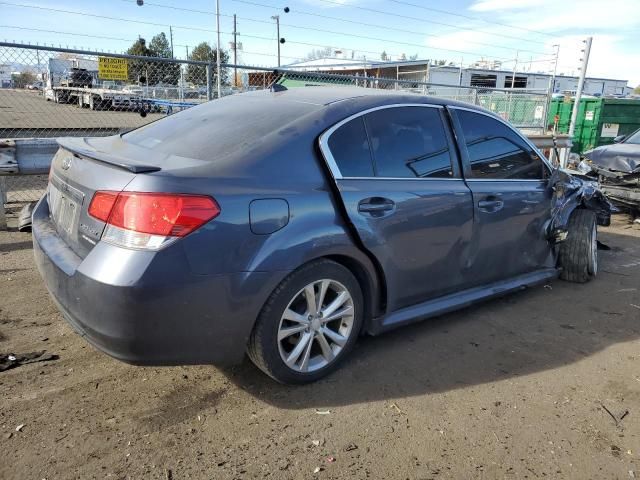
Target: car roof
(323,96)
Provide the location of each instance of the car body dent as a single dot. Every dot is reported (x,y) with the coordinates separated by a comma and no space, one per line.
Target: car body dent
(619,157)
(571,192)
(226,272)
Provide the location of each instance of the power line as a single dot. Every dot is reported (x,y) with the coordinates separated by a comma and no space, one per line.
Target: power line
(188,27)
(469,17)
(422,34)
(421,46)
(407,17)
(15,27)
(106,17)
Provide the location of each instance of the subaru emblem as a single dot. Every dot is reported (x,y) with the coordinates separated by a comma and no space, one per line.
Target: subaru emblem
(66,163)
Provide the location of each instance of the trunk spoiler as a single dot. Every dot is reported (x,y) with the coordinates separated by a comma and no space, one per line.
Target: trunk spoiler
(79,146)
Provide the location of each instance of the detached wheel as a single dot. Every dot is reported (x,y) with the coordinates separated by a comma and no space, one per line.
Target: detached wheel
(578,254)
(309,324)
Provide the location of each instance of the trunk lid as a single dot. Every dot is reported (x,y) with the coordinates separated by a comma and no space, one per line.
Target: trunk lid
(78,169)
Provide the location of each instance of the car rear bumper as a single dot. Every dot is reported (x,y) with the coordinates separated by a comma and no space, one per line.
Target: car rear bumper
(148,308)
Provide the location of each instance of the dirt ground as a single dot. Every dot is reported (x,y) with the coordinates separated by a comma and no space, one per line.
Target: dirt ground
(540,384)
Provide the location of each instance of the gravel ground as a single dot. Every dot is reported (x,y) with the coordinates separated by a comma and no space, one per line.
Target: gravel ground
(540,384)
(28,110)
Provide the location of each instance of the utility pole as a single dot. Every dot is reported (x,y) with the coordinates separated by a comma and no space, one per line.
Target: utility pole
(550,92)
(515,66)
(576,103)
(555,69)
(460,77)
(235,51)
(171,39)
(277,19)
(218,49)
(187,48)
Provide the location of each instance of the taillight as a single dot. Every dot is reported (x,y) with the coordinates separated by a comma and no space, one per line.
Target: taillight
(101,205)
(150,220)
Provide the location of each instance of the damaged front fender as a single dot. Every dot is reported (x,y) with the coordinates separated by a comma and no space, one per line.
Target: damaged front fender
(571,192)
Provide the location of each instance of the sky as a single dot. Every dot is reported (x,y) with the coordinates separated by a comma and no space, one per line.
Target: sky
(458,31)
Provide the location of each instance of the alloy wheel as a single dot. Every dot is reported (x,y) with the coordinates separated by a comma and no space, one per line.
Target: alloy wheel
(316,325)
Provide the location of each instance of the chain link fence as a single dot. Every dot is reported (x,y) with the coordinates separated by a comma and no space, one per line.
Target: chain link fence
(54,92)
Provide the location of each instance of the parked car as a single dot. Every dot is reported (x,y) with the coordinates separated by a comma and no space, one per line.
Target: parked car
(618,169)
(35,86)
(287,223)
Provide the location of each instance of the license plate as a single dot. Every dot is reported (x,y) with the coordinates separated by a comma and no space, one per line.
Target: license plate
(63,209)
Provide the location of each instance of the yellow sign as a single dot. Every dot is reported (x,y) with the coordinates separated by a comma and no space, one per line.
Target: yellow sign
(110,68)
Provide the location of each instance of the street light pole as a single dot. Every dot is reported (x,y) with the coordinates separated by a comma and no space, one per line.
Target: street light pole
(277,19)
(218,48)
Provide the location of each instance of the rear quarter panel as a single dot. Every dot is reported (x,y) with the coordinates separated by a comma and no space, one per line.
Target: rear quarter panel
(286,165)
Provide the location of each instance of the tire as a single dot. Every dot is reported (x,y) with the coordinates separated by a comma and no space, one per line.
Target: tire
(578,254)
(287,310)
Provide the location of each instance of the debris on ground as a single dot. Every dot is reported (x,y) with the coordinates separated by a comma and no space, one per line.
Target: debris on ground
(323,412)
(395,407)
(317,470)
(331,459)
(24,219)
(20,427)
(616,418)
(350,447)
(11,360)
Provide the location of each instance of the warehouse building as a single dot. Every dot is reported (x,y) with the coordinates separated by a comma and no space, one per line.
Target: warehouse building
(422,71)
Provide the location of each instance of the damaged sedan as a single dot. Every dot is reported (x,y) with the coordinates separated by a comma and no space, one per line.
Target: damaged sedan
(618,169)
(284,224)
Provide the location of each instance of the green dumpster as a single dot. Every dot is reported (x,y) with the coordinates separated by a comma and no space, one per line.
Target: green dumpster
(599,120)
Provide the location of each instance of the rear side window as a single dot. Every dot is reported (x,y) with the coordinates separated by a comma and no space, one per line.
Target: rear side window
(409,142)
(496,151)
(350,149)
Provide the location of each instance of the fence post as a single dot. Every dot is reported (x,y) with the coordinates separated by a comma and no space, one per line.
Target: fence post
(475,97)
(210,81)
(3,199)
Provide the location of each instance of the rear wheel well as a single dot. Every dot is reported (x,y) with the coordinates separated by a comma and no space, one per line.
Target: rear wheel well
(373,306)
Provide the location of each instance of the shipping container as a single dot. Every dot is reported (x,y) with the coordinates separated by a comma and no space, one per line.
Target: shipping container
(599,120)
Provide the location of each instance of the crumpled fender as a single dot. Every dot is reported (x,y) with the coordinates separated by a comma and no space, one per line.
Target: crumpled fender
(571,192)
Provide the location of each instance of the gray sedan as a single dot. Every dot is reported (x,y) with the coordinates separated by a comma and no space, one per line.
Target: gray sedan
(285,224)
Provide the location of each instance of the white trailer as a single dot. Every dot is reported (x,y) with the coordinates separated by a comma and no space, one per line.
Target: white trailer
(95,98)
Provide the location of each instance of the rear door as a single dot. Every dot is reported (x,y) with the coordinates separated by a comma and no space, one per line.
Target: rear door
(399,180)
(511,197)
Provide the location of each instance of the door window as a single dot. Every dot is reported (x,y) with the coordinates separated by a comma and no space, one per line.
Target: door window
(409,142)
(350,149)
(496,151)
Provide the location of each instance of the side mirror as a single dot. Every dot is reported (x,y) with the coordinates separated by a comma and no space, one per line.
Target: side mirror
(619,138)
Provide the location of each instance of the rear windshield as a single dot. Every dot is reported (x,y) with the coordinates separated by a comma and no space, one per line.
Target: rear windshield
(219,127)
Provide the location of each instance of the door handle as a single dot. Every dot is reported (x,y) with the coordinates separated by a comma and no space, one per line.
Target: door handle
(376,206)
(490,205)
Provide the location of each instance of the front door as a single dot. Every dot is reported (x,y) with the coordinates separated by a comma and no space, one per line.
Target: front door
(403,192)
(511,198)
